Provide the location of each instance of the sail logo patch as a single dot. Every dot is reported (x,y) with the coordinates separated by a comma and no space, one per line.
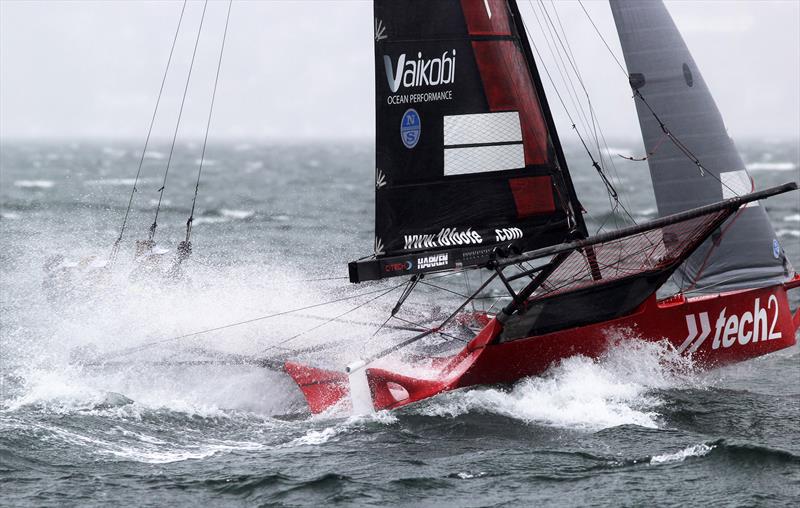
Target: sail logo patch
(410,128)
(505,234)
(410,73)
(750,327)
(776,248)
(398,267)
(446,237)
(433,261)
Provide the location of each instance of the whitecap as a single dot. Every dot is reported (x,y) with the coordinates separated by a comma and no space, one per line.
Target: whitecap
(34,184)
(792,218)
(771,166)
(793,233)
(208,220)
(315,437)
(697,450)
(10,215)
(237,214)
(150,450)
(468,476)
(154,155)
(114,152)
(127,182)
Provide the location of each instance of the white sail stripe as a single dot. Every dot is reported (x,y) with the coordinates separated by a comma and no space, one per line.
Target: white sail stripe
(482,159)
(482,128)
(736,183)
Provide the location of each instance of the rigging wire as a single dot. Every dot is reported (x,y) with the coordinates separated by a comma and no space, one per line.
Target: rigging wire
(614,199)
(331,320)
(667,132)
(437,332)
(177,124)
(567,85)
(597,30)
(142,347)
(208,124)
(595,119)
(561,100)
(115,248)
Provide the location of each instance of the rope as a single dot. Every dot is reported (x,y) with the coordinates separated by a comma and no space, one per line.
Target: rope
(675,141)
(208,124)
(422,335)
(435,331)
(331,320)
(595,120)
(614,198)
(178,123)
(115,248)
(610,190)
(621,67)
(142,347)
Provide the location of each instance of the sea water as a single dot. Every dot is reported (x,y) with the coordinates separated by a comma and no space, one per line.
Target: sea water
(274,228)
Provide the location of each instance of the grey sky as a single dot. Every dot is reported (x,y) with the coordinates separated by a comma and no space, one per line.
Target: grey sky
(304,68)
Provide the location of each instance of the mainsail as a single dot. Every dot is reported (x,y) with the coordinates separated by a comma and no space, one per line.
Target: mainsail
(467,156)
(692,159)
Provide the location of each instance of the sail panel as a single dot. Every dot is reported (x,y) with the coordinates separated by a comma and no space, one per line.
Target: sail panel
(745,252)
(466,148)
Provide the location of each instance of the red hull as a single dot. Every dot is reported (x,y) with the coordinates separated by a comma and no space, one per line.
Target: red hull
(714,330)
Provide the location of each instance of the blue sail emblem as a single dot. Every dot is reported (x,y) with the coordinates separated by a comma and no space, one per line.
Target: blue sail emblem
(410,128)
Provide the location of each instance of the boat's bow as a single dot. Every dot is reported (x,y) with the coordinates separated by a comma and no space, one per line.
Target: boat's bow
(388,383)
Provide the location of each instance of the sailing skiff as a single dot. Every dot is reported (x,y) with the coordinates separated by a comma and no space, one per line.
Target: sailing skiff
(470,175)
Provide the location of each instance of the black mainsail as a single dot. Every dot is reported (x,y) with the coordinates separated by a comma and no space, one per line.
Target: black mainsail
(692,159)
(467,155)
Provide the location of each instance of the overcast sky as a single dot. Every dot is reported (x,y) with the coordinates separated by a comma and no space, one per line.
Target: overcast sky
(304,68)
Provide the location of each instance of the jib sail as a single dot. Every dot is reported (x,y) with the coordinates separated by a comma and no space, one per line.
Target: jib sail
(467,157)
(745,251)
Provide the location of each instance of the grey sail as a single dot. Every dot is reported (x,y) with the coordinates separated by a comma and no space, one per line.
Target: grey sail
(745,251)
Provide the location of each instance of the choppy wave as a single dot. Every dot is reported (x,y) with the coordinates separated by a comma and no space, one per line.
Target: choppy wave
(697,450)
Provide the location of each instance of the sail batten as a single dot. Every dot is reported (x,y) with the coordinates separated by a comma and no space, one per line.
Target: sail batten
(467,156)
